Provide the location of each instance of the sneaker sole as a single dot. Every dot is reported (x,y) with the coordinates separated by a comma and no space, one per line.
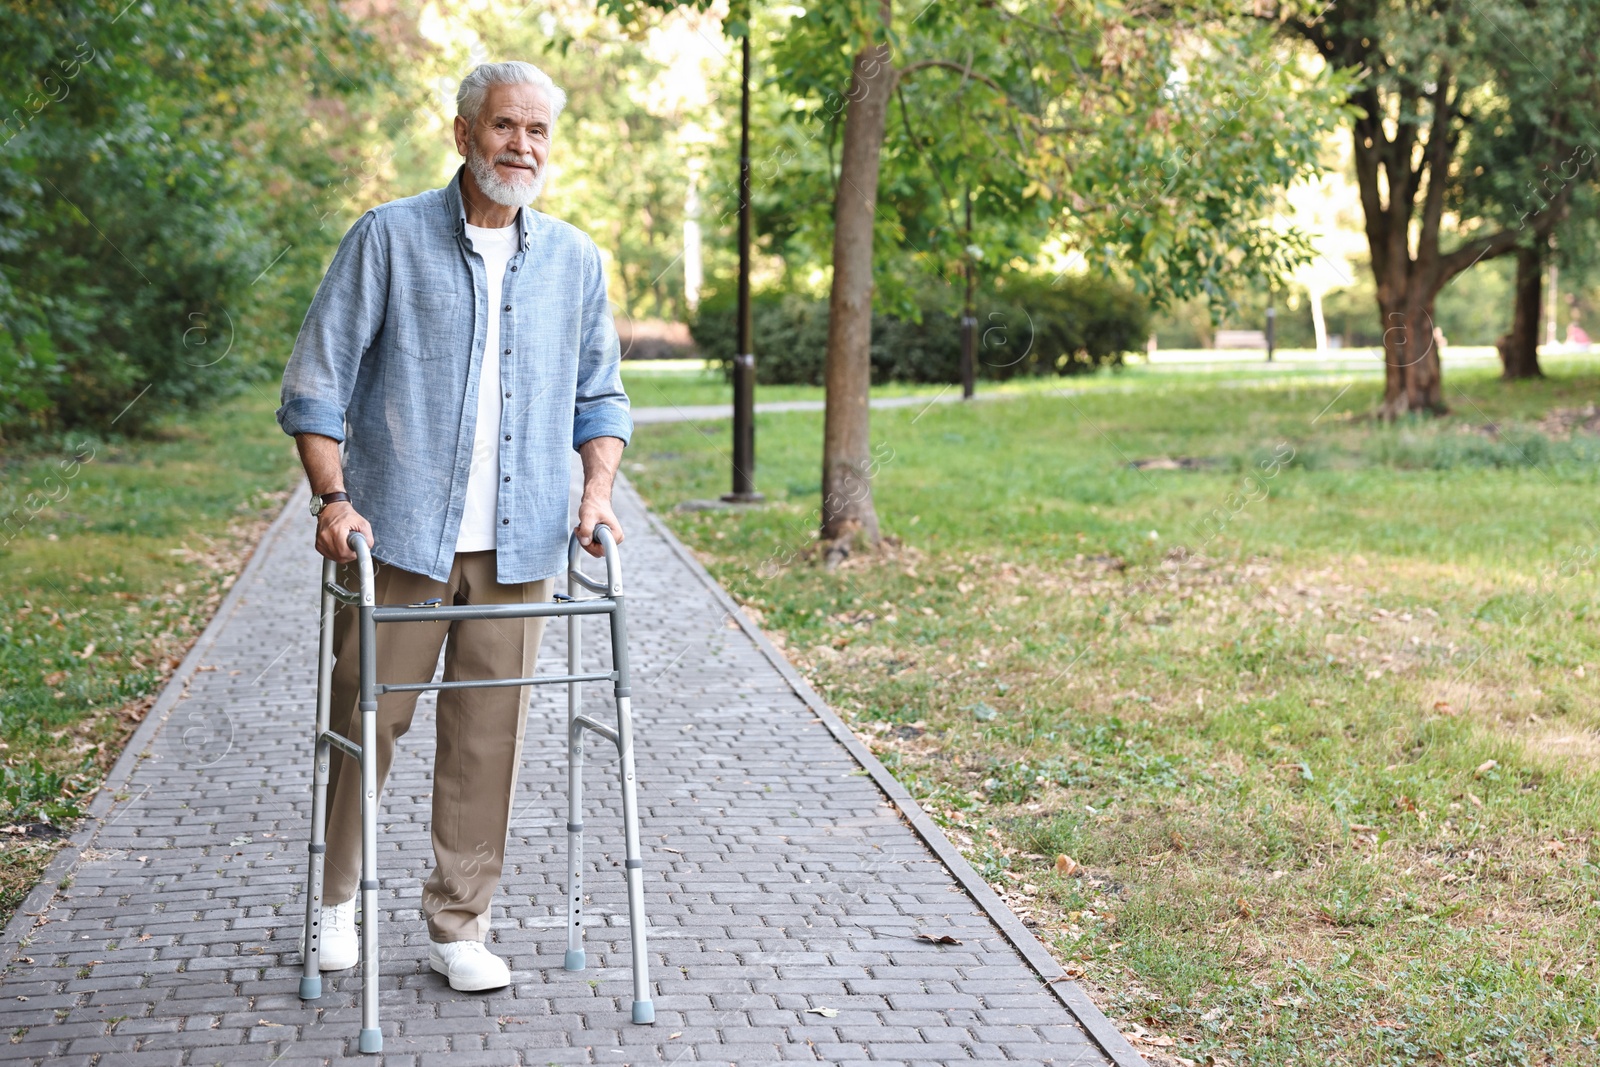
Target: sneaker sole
(462,985)
(325,964)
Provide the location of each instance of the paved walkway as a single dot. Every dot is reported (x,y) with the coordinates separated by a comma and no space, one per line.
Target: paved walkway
(699,412)
(781,877)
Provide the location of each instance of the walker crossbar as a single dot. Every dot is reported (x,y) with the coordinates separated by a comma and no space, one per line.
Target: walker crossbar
(609,603)
(492,683)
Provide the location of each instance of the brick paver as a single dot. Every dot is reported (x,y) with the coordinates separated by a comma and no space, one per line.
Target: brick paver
(779,878)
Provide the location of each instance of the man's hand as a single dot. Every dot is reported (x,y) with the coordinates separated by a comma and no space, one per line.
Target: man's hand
(333,531)
(601,456)
(593,511)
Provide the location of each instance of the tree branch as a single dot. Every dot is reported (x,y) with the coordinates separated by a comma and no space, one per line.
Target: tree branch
(1436,161)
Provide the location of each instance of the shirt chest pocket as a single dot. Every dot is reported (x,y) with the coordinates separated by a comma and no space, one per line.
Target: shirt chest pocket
(431,323)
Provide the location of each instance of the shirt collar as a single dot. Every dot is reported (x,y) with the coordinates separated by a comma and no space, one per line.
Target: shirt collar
(455,207)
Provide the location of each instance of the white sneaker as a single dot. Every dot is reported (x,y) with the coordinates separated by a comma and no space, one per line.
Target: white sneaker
(469,965)
(340,947)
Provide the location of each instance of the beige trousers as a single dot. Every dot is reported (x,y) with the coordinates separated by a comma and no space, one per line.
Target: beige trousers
(479,733)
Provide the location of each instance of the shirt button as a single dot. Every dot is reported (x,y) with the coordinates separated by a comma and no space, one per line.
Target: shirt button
(513,270)
(508,307)
(508,477)
(505,522)
(508,437)
(508,396)
(508,352)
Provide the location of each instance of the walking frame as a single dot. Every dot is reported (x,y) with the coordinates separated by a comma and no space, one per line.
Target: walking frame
(573,608)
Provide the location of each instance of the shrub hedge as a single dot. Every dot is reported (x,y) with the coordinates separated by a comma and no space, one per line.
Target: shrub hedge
(1029,327)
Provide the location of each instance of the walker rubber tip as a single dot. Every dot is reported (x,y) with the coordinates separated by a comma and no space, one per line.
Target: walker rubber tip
(576,959)
(644,1011)
(372,1040)
(310,988)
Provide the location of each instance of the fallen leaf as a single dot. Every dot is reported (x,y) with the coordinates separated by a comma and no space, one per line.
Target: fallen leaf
(1443,708)
(1477,803)
(263,1022)
(1066,866)
(939,939)
(1361,828)
(1484,768)
(826,1013)
(674,1035)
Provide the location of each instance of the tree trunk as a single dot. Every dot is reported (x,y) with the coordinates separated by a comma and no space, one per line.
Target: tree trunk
(1413,379)
(847,511)
(1519,349)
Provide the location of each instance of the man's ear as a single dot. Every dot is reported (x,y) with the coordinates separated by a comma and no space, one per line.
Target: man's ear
(461,136)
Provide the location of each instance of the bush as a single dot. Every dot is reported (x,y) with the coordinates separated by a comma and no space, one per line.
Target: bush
(158,169)
(1029,327)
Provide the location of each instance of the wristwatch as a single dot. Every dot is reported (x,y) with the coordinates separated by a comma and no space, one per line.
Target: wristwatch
(320,502)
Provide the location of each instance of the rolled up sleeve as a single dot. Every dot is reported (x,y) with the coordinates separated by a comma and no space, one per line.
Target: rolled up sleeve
(344,319)
(601,404)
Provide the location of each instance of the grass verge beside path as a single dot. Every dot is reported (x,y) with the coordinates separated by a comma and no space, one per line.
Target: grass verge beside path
(1278,725)
(115,555)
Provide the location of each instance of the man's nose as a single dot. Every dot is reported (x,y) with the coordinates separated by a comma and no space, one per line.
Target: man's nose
(520,142)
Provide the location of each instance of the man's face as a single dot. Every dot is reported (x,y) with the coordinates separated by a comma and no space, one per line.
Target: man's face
(506,147)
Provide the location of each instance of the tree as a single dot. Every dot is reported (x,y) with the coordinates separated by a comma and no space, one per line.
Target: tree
(1039,108)
(1036,112)
(159,164)
(1467,113)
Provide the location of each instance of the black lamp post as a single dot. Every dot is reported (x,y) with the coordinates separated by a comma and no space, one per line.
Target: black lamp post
(744,360)
(969,320)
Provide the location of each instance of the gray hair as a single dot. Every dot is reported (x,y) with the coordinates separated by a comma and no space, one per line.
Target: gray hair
(475,86)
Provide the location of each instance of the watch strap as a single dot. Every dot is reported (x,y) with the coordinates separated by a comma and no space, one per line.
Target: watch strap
(320,502)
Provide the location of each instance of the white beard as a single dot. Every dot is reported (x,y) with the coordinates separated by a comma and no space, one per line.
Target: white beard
(496,188)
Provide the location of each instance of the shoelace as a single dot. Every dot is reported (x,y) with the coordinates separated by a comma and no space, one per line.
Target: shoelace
(340,918)
(473,948)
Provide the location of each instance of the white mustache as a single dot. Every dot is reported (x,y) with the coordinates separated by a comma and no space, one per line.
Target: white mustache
(526,161)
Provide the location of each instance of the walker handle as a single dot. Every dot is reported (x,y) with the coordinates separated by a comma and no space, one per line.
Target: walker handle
(608,544)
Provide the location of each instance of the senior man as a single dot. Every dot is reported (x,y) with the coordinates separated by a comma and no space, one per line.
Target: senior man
(466,342)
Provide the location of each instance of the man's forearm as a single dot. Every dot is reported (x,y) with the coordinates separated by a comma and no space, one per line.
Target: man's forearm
(319,455)
(601,458)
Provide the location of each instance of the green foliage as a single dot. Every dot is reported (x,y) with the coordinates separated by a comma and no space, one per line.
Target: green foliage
(1032,327)
(156,160)
(32,792)
(1177,177)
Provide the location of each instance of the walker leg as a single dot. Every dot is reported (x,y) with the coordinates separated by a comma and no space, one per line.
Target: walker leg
(316,851)
(576,958)
(643,1010)
(371,1039)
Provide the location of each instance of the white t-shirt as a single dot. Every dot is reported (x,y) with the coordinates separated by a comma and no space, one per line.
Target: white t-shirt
(478,526)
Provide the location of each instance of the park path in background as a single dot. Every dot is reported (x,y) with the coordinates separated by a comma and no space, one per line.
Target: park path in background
(790,882)
(706,412)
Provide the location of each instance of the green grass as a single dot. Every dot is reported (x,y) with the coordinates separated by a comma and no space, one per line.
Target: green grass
(1315,716)
(114,555)
(685,383)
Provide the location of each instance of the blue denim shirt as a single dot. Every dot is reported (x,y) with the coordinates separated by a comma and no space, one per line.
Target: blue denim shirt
(391,349)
